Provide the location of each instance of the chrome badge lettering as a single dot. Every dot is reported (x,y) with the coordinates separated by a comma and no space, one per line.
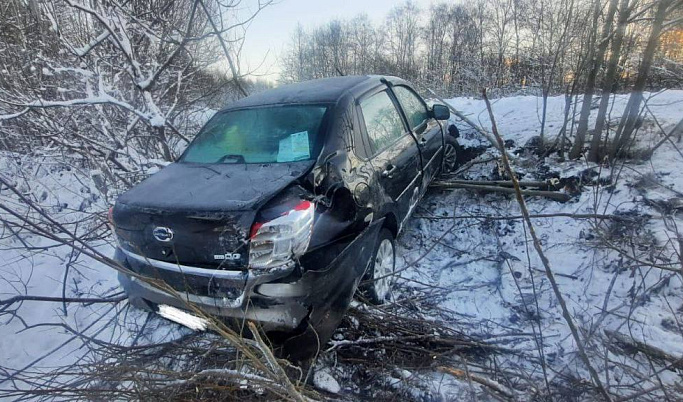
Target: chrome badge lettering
(227,256)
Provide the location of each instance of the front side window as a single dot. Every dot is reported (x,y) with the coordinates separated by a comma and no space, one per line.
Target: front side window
(416,112)
(274,134)
(382,121)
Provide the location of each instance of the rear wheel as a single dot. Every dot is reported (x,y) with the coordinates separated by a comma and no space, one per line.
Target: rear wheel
(381,270)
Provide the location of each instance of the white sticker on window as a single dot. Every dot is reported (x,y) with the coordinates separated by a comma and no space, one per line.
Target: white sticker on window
(294,148)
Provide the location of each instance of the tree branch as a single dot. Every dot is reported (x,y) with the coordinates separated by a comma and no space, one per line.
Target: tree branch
(546,263)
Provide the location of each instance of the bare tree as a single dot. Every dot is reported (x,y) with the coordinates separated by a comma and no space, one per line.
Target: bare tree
(502,13)
(629,120)
(596,57)
(403,34)
(595,153)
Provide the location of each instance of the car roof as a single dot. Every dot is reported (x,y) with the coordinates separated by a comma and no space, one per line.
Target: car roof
(323,90)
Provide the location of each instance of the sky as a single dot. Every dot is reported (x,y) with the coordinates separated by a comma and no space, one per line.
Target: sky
(272,29)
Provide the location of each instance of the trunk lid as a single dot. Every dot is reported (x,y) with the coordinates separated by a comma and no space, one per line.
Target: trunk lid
(200,214)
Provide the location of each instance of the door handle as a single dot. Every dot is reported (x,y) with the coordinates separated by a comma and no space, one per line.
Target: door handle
(389,171)
(422,142)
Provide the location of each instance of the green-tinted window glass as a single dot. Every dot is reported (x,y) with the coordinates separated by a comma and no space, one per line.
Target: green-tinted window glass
(259,135)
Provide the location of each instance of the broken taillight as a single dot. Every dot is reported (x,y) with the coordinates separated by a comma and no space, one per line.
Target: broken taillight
(277,242)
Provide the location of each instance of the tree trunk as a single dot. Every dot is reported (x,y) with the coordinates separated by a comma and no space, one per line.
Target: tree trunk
(598,56)
(563,131)
(595,153)
(547,84)
(544,114)
(163,144)
(630,117)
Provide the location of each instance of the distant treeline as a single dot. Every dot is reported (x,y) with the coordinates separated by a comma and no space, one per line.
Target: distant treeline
(505,44)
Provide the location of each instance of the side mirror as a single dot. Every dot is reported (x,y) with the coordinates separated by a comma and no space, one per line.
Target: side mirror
(441,112)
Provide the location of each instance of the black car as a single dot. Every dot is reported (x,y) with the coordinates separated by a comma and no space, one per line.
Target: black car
(283,203)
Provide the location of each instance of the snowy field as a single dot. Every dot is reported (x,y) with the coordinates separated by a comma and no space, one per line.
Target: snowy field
(466,261)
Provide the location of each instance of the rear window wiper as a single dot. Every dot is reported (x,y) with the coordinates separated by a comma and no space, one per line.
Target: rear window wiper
(237,158)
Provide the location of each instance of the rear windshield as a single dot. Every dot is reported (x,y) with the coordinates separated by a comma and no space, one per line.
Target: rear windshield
(261,135)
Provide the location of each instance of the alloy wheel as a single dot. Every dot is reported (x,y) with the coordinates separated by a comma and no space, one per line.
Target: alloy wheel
(384,269)
(449,158)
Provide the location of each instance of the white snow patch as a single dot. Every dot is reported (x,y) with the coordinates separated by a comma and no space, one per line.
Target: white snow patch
(157,120)
(323,379)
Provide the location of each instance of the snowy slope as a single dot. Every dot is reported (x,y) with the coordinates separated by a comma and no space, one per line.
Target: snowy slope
(494,274)
(37,337)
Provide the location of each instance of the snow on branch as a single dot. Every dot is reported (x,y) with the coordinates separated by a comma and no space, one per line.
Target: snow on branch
(91,101)
(14,115)
(82,51)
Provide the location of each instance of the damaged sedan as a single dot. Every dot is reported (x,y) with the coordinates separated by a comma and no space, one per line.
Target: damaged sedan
(285,203)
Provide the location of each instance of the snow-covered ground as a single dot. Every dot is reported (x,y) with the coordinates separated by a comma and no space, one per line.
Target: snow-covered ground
(36,337)
(495,278)
(489,282)
(485,277)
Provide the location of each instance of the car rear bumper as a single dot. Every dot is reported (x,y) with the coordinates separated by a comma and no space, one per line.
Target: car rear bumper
(286,311)
(280,300)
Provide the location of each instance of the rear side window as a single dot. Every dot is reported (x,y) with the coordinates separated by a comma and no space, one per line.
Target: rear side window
(416,111)
(382,121)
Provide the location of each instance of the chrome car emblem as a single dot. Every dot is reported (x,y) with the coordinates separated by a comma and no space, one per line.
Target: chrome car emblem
(162,234)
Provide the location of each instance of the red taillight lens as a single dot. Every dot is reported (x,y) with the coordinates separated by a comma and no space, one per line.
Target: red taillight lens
(254,229)
(302,206)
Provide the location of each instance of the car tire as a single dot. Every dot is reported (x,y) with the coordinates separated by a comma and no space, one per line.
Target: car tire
(450,155)
(380,274)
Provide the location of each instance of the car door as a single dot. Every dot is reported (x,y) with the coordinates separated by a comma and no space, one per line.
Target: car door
(396,158)
(425,128)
